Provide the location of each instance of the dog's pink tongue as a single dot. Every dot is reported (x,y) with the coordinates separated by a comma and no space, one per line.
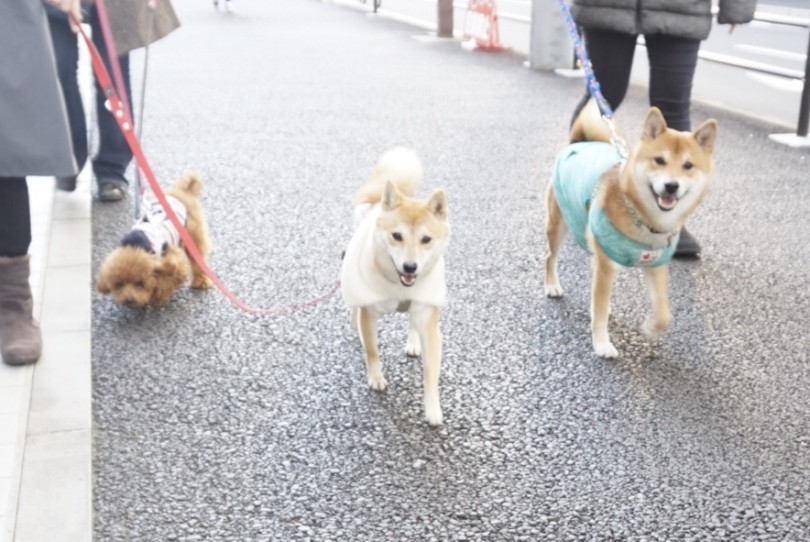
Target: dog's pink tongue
(408,278)
(666,202)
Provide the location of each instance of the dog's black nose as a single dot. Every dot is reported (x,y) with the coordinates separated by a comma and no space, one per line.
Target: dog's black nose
(671,187)
(409,267)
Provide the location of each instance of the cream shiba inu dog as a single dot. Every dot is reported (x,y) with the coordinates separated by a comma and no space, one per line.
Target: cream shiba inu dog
(395,262)
(627,213)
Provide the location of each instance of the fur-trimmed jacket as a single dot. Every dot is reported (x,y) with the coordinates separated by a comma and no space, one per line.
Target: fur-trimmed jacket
(682,18)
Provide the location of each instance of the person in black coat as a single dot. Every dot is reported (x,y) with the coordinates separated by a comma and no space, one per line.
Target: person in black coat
(673,31)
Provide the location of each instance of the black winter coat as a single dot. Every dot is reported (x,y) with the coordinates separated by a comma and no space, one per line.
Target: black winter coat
(682,18)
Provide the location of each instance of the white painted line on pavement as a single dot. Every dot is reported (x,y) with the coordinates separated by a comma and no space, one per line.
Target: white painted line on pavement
(778,83)
(768,51)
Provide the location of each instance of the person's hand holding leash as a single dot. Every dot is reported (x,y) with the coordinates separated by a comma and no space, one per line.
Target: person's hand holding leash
(73,8)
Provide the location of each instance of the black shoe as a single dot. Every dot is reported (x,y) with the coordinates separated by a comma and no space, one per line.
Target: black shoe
(688,247)
(111,189)
(66,184)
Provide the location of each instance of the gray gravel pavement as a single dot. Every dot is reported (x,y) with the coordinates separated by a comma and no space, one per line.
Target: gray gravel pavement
(215,425)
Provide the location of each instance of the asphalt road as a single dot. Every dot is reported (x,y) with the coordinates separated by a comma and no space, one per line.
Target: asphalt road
(215,425)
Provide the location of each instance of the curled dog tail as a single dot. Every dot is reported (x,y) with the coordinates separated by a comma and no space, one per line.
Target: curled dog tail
(399,165)
(190,182)
(589,125)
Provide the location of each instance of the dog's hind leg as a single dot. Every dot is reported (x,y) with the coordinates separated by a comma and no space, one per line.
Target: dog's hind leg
(198,230)
(199,279)
(603,273)
(657,279)
(426,320)
(556,230)
(367,320)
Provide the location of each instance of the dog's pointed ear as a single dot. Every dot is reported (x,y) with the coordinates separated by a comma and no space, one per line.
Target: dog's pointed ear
(706,134)
(654,125)
(438,204)
(390,196)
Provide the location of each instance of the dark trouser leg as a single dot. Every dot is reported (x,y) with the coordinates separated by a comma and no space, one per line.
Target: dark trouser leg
(672,69)
(15,217)
(65,48)
(113,154)
(611,55)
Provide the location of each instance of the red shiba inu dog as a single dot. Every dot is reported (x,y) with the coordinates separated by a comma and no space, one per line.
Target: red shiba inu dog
(626,213)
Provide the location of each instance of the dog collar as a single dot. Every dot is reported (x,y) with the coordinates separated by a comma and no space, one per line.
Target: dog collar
(640,223)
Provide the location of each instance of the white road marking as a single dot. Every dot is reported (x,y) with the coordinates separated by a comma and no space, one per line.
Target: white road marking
(776,53)
(778,83)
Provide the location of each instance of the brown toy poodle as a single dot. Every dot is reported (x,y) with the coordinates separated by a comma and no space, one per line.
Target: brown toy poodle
(151,263)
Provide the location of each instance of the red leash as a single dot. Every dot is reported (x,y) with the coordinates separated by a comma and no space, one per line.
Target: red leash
(122,117)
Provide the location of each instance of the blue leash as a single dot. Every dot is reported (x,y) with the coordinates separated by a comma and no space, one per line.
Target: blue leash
(590,79)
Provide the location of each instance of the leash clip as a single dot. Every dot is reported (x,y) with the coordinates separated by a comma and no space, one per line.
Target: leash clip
(617,140)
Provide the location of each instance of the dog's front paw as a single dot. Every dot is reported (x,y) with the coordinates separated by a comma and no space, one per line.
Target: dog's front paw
(201,282)
(553,290)
(605,349)
(433,413)
(377,381)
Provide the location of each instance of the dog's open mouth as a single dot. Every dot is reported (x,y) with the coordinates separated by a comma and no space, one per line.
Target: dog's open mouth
(666,203)
(407,279)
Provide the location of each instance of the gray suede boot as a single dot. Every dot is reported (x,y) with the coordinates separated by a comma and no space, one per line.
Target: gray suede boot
(20,337)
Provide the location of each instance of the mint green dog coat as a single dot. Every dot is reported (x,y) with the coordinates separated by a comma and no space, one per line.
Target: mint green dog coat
(576,174)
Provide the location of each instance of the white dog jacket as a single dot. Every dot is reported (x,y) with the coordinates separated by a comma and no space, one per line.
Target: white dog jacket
(155,232)
(362,285)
